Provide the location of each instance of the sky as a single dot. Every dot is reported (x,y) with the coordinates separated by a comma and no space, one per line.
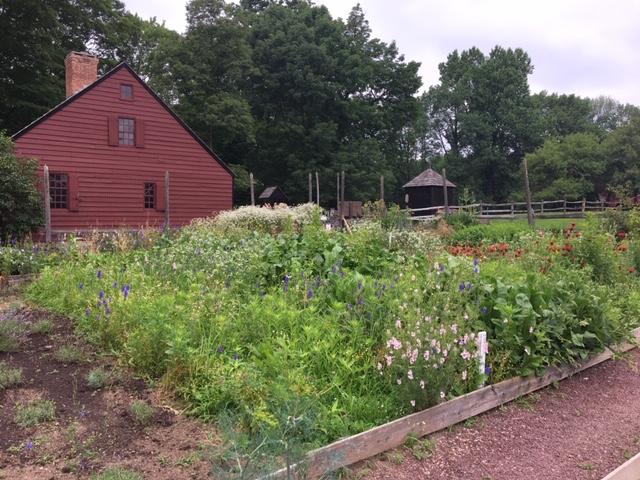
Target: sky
(586,47)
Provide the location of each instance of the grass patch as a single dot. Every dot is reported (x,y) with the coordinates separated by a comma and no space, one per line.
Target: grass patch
(34,413)
(142,412)
(98,378)
(117,474)
(43,327)
(9,376)
(69,354)
(10,330)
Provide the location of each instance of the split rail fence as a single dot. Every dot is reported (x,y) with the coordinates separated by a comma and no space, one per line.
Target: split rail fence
(514,209)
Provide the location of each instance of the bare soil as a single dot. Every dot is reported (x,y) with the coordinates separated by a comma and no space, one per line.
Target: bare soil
(583,428)
(93,429)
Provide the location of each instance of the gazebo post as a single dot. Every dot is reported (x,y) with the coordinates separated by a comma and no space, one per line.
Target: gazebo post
(444,188)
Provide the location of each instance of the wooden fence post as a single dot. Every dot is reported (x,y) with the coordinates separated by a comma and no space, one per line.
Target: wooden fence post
(342,182)
(47,206)
(382,188)
(167,218)
(317,188)
(253,192)
(602,205)
(527,192)
(481,206)
(481,341)
(541,207)
(584,205)
(310,189)
(338,194)
(564,206)
(444,191)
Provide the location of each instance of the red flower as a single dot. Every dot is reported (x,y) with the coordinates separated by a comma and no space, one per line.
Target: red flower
(632,269)
(621,235)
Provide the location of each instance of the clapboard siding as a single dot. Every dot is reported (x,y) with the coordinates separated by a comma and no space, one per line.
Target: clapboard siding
(74,139)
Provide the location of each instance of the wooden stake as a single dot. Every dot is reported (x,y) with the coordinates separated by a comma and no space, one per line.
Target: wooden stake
(527,193)
(444,191)
(253,192)
(167,218)
(338,194)
(310,189)
(317,189)
(47,206)
(342,181)
(584,205)
(382,188)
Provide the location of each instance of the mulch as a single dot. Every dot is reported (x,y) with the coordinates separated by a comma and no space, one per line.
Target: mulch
(93,429)
(583,428)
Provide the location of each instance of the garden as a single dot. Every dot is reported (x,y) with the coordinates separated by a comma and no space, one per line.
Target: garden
(290,335)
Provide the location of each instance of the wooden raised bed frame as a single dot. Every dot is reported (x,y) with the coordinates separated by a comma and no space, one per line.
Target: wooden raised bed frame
(350,450)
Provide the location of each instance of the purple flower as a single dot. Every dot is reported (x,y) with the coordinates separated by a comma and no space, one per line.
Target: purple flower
(115,284)
(220,349)
(360,286)
(29,445)
(235,356)
(101,294)
(469,285)
(461,287)
(81,286)
(99,274)
(487,370)
(309,294)
(360,301)
(87,311)
(476,262)
(107,311)
(349,306)
(287,279)
(484,310)
(334,269)
(441,267)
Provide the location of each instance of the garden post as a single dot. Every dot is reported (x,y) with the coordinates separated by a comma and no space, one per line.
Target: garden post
(444,191)
(342,181)
(47,206)
(167,218)
(310,189)
(527,193)
(584,205)
(564,206)
(317,189)
(338,194)
(253,193)
(382,188)
(481,341)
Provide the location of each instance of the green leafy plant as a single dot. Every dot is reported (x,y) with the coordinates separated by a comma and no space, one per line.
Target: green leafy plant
(117,473)
(9,377)
(99,378)
(34,413)
(142,412)
(69,354)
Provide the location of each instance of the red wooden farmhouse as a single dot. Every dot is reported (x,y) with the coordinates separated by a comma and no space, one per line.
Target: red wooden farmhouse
(108,146)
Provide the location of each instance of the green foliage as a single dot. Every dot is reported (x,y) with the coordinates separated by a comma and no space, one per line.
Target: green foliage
(98,378)
(9,377)
(117,473)
(270,327)
(142,412)
(461,219)
(266,219)
(69,354)
(43,327)
(35,413)
(10,332)
(20,201)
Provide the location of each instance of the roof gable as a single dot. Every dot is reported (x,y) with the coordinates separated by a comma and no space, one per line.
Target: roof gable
(136,77)
(428,178)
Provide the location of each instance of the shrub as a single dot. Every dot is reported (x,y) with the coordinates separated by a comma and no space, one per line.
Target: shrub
(117,473)
(34,413)
(142,412)
(263,219)
(10,331)
(43,327)
(98,378)
(461,219)
(20,201)
(69,354)
(9,377)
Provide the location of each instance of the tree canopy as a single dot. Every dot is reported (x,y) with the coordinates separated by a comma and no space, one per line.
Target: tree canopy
(280,88)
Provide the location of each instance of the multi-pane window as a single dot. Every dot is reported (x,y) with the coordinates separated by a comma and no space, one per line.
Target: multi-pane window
(149,195)
(126,91)
(126,131)
(59,190)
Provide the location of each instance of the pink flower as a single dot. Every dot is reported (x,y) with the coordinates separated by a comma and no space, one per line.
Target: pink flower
(445,352)
(389,360)
(398,324)
(426,354)
(414,356)
(410,374)
(394,343)
(465,354)
(454,328)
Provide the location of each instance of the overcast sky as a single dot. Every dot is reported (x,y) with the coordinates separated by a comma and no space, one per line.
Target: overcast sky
(587,47)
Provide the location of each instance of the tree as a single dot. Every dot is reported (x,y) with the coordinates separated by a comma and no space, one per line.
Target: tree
(562,115)
(20,200)
(609,114)
(482,119)
(622,149)
(568,167)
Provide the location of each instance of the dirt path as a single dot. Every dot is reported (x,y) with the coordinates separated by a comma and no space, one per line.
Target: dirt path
(581,429)
(93,428)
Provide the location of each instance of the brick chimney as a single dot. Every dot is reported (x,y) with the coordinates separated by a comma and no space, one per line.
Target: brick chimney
(81,70)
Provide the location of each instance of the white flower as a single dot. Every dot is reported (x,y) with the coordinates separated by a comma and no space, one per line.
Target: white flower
(442,395)
(527,350)
(410,374)
(422,384)
(530,329)
(413,403)
(399,381)
(464,375)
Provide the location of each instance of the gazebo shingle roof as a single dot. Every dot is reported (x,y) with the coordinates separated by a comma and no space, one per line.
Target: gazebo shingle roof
(428,178)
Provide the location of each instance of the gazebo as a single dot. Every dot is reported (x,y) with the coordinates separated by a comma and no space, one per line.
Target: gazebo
(272,195)
(427,190)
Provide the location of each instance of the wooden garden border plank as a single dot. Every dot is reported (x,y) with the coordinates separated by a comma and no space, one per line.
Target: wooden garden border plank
(630,470)
(393,434)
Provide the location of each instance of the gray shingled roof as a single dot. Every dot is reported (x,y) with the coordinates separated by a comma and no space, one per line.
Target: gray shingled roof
(428,178)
